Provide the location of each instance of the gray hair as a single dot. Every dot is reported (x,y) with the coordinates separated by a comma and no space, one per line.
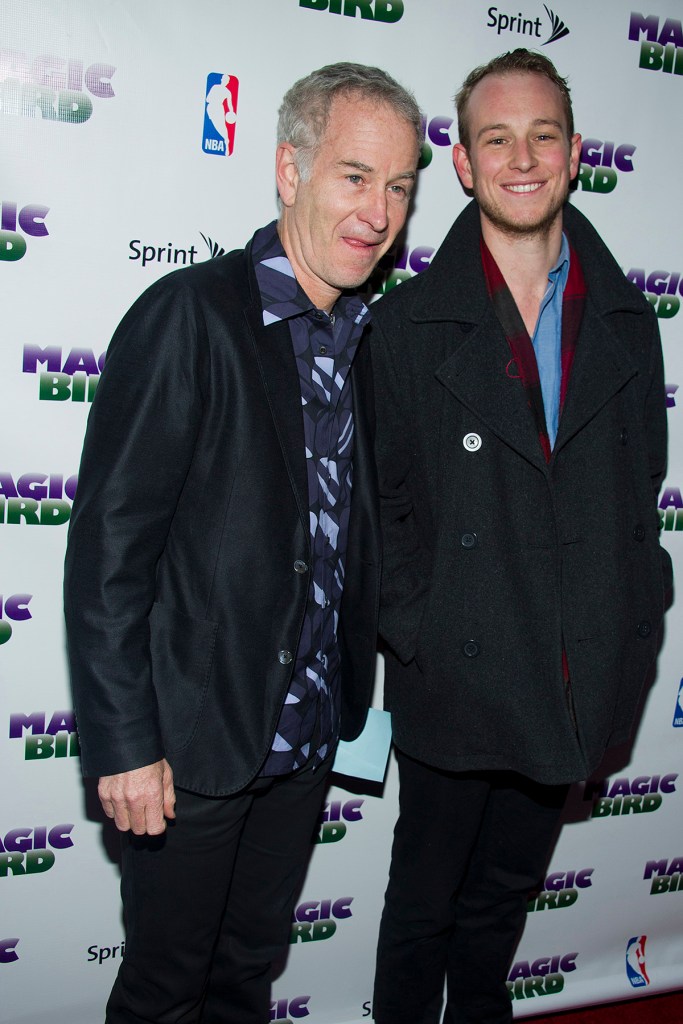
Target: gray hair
(305,108)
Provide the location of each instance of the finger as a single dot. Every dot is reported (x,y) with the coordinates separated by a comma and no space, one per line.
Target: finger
(169,796)
(121,816)
(155,823)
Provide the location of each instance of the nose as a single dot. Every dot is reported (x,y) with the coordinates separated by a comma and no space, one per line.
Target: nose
(375,210)
(522,155)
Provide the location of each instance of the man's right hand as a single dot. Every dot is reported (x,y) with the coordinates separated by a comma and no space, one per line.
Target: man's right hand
(139,800)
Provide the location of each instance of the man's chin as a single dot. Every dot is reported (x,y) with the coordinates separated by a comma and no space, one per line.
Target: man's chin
(531,227)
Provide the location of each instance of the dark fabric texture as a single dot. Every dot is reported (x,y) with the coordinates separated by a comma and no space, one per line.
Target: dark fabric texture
(183,603)
(208,905)
(468,849)
(494,556)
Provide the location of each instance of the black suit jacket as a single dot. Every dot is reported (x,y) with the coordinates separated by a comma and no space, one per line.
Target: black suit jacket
(182,603)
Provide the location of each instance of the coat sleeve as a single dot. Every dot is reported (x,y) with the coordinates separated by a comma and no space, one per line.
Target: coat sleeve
(656,429)
(138,448)
(406,560)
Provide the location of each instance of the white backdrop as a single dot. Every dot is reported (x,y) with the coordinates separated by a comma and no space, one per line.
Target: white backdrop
(106,185)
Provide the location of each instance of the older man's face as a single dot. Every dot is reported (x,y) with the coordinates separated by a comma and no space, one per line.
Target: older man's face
(336,226)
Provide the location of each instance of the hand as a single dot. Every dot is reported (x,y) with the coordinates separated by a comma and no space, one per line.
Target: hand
(140,799)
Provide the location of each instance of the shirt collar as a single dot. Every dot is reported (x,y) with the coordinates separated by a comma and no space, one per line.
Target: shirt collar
(562,265)
(281,294)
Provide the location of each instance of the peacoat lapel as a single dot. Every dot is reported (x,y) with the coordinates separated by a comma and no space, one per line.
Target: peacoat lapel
(602,365)
(601,368)
(477,373)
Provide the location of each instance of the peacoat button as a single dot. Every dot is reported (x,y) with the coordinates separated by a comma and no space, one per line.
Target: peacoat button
(471,649)
(300,566)
(469,540)
(284,657)
(623,437)
(639,532)
(644,629)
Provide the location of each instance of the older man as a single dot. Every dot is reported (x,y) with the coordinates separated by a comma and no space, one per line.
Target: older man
(521,431)
(223,559)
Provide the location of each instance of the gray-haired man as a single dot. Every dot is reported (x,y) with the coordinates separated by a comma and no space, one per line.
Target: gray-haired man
(223,560)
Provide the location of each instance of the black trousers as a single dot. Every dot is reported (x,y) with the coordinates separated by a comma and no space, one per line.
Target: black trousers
(468,848)
(208,905)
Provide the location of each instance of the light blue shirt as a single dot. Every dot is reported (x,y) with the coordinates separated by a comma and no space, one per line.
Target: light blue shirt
(547,340)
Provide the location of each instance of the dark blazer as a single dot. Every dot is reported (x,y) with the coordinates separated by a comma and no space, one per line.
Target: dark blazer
(183,606)
(494,560)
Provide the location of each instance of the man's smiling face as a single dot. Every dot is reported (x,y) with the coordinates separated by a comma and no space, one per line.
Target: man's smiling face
(520,161)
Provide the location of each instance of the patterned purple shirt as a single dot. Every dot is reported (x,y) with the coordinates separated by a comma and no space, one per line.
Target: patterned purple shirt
(324,346)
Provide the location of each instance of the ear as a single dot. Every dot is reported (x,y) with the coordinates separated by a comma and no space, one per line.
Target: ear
(462,165)
(286,173)
(574,155)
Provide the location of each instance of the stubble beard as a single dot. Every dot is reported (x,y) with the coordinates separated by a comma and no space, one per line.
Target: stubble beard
(515,229)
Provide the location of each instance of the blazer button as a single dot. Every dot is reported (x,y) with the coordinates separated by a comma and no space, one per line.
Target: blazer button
(644,629)
(639,532)
(469,540)
(300,566)
(471,649)
(284,657)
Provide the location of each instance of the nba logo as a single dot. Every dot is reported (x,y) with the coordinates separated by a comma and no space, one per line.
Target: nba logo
(220,114)
(636,971)
(678,713)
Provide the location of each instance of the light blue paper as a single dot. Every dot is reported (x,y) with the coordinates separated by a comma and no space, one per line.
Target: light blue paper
(367,756)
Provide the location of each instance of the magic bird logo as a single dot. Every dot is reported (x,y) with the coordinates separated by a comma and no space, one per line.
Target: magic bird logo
(8,951)
(318,919)
(523,25)
(30,851)
(14,607)
(63,375)
(45,736)
(335,818)
(661,42)
(286,1011)
(50,87)
(542,977)
(561,889)
(17,222)
(36,499)
(664,875)
(642,795)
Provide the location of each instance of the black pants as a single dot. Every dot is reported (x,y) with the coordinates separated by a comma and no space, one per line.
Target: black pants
(208,905)
(468,848)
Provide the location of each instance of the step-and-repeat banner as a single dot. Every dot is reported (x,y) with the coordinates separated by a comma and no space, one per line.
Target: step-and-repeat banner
(116,170)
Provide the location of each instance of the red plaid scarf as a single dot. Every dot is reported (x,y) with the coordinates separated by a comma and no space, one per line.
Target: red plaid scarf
(523,355)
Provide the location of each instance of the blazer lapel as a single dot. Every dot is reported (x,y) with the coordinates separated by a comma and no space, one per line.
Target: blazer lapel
(277,365)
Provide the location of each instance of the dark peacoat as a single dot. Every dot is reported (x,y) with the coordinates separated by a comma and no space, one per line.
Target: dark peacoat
(494,561)
(184,590)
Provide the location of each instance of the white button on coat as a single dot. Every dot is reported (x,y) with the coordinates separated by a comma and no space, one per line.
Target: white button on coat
(471,442)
